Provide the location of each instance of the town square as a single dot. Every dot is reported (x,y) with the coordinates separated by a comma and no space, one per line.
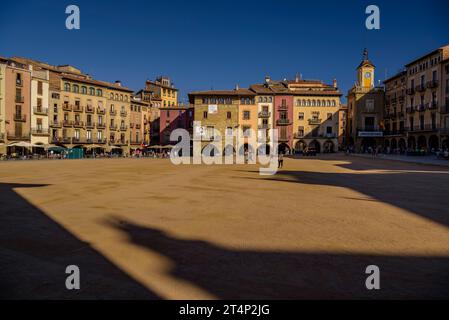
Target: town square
(253,151)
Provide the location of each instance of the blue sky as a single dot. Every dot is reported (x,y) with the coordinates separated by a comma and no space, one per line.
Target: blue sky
(218,44)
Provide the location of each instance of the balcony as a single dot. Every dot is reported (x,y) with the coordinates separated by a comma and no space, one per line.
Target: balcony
(123,113)
(112,112)
(282,107)
(90,109)
(19,83)
(138,126)
(78,124)
(20,99)
(78,108)
(90,125)
(100,140)
(77,140)
(432,84)
(136,142)
(314,121)
(18,117)
(432,105)
(131,125)
(423,127)
(263,126)
(264,114)
(40,132)
(401,98)
(207,138)
(410,91)
(18,136)
(283,122)
(2,137)
(421,108)
(420,88)
(445,108)
(410,110)
(67,107)
(298,135)
(120,142)
(67,123)
(123,128)
(56,124)
(101,125)
(66,140)
(101,110)
(401,114)
(40,110)
(283,139)
(394,132)
(56,139)
(113,127)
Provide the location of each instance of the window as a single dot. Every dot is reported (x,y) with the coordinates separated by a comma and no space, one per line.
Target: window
(328,130)
(229,131)
(329,116)
(369,105)
(76,88)
(99,92)
(246,115)
(301,116)
(205,115)
(67,86)
(83,90)
(228,115)
(246,131)
(39,88)
(92,91)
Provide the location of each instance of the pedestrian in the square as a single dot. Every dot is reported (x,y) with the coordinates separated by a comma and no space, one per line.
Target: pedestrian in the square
(280,160)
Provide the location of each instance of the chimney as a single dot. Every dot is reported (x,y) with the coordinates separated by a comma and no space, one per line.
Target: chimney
(118,82)
(237,87)
(267,79)
(335,83)
(297,77)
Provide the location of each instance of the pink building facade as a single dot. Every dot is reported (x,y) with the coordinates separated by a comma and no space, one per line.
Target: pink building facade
(283,121)
(172,118)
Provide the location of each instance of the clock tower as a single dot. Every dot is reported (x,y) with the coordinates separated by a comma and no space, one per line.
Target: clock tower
(365,72)
(365,109)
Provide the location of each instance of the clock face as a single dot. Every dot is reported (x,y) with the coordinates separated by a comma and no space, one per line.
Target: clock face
(367,75)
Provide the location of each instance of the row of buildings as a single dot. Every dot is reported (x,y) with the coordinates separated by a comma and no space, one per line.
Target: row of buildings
(59,105)
(410,111)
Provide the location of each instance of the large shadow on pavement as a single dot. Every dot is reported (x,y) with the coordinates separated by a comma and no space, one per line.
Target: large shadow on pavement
(252,274)
(35,251)
(421,190)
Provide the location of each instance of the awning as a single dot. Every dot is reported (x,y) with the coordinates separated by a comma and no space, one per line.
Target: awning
(22,144)
(94,146)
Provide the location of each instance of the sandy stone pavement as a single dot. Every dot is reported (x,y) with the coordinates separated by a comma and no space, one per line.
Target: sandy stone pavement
(147,229)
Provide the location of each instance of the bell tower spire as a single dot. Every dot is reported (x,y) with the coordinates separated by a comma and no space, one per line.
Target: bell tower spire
(365,72)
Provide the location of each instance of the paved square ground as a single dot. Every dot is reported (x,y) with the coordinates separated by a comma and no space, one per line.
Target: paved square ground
(144,228)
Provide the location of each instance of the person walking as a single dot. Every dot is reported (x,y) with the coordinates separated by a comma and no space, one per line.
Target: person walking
(280,160)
